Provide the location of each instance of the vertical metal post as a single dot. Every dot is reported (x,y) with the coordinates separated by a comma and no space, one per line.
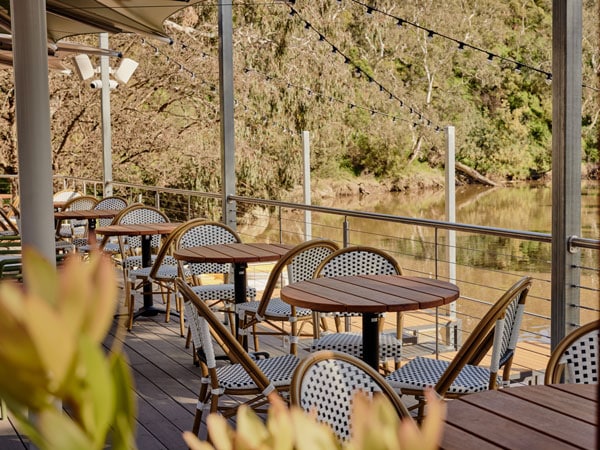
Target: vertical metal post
(307,197)
(30,51)
(106,123)
(226,110)
(450,217)
(566,163)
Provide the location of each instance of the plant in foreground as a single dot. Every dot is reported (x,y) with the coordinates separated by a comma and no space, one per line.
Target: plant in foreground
(376,426)
(51,356)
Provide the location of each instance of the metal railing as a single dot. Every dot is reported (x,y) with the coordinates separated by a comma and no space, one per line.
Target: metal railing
(488,260)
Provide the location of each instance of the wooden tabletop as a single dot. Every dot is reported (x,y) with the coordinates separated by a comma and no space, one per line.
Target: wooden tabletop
(529,417)
(86,214)
(138,229)
(370,293)
(233,253)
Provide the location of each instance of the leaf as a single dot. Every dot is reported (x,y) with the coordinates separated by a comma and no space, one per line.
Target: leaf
(54,341)
(60,432)
(40,276)
(126,410)
(93,391)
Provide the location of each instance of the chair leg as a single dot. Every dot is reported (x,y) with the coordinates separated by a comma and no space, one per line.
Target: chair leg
(188,338)
(180,308)
(130,310)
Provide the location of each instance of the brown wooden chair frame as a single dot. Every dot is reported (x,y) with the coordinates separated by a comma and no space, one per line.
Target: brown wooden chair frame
(261,315)
(210,389)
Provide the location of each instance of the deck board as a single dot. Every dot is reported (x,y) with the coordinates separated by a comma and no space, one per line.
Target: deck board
(167,382)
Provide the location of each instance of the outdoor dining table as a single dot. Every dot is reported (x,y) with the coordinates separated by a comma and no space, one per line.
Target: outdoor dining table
(91,215)
(239,254)
(370,295)
(146,231)
(544,417)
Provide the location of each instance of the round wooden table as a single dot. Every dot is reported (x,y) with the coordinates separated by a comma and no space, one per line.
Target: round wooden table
(91,215)
(370,295)
(239,254)
(541,417)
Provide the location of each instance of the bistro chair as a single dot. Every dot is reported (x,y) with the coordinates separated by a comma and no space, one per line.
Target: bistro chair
(300,264)
(243,376)
(575,358)
(109,203)
(65,196)
(219,294)
(70,229)
(326,382)
(498,330)
(129,255)
(359,261)
(162,273)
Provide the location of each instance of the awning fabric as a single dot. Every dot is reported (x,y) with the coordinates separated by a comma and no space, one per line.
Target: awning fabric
(75,17)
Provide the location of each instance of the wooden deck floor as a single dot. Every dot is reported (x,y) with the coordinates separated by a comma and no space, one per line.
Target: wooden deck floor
(167,382)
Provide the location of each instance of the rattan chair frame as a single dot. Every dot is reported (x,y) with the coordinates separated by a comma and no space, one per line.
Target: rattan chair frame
(212,233)
(556,365)
(162,273)
(315,388)
(300,263)
(207,329)
(490,333)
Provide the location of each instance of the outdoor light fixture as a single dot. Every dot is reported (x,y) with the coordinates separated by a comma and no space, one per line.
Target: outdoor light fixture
(121,75)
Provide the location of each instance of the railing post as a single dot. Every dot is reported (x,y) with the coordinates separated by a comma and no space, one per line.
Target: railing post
(566,163)
(346,231)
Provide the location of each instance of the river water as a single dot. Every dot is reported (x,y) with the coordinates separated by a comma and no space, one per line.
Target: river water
(482,262)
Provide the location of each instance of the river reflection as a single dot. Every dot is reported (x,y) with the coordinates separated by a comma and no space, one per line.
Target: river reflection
(485,265)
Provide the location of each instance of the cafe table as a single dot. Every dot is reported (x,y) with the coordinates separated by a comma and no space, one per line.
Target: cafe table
(370,295)
(239,254)
(146,231)
(559,416)
(91,215)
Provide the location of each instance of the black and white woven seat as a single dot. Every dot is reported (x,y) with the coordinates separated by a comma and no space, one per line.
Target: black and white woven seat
(259,379)
(326,381)
(498,330)
(300,264)
(575,359)
(360,261)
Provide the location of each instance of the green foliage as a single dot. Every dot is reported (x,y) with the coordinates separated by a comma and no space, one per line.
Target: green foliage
(52,337)
(166,123)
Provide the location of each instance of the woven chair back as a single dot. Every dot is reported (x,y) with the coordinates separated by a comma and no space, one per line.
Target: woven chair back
(139,213)
(498,330)
(207,233)
(65,195)
(81,203)
(326,382)
(112,203)
(300,263)
(575,358)
(357,260)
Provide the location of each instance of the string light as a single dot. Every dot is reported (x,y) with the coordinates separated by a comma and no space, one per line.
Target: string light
(358,71)
(330,98)
(462,45)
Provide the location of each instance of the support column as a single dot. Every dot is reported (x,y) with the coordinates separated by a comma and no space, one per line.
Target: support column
(28,18)
(566,163)
(226,110)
